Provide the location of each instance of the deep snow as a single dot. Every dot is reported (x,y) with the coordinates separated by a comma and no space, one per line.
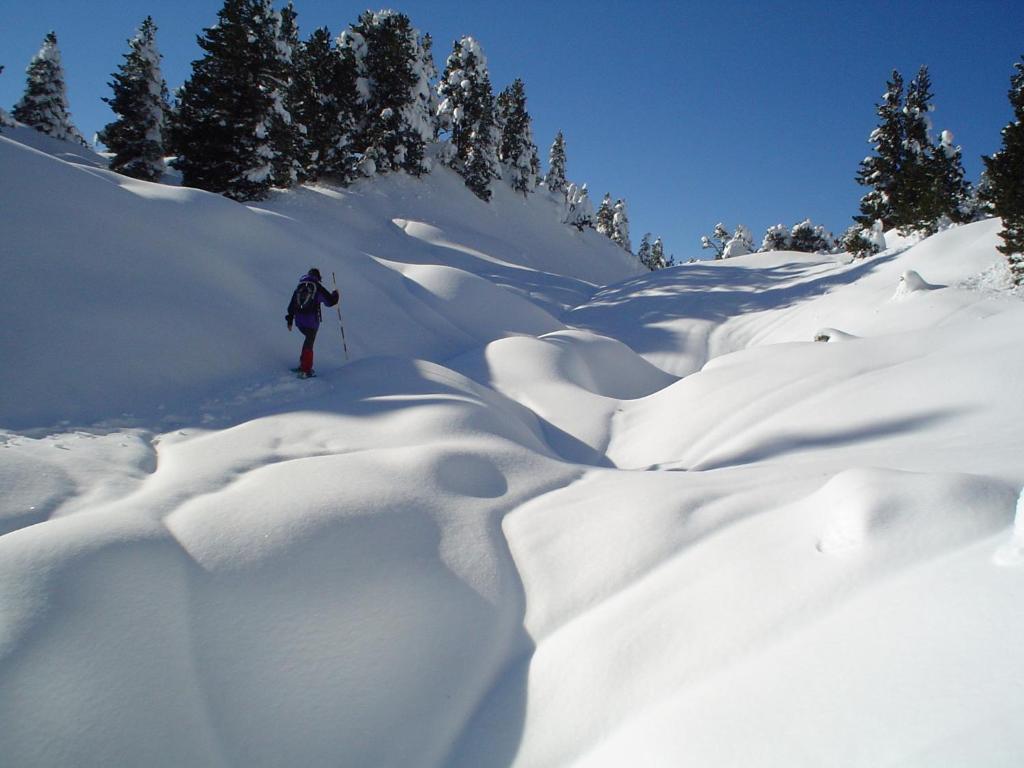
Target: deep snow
(553,511)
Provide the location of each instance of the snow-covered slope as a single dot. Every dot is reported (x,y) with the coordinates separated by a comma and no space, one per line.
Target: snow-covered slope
(507,532)
(157,296)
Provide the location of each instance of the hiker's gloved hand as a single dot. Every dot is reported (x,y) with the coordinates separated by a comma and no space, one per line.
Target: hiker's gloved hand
(289,321)
(337,295)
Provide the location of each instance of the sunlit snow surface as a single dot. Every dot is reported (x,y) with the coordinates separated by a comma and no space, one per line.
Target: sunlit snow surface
(551,512)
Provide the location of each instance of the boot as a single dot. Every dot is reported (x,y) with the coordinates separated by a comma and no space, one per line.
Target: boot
(306,363)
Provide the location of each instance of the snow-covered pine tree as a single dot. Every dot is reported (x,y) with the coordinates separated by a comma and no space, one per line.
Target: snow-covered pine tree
(393,85)
(725,246)
(955,196)
(481,166)
(620,226)
(880,171)
(740,244)
(221,127)
(517,152)
(427,99)
(453,93)
(467,114)
(286,134)
(644,251)
(716,240)
(604,222)
(44,106)
(1005,173)
(555,181)
(916,200)
(805,237)
(579,211)
(140,98)
(5,119)
(325,102)
(860,242)
(776,238)
(981,200)
(658,258)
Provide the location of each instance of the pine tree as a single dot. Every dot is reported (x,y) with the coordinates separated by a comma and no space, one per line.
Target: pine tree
(981,197)
(658,258)
(726,246)
(776,238)
(517,152)
(1005,173)
(221,128)
(286,134)
(740,244)
(44,105)
(140,97)
(620,226)
(605,219)
(555,181)
(954,192)
(325,102)
(467,114)
(880,172)
(427,100)
(5,119)
(393,85)
(716,240)
(644,252)
(916,201)
(482,164)
(453,91)
(861,242)
(579,211)
(808,238)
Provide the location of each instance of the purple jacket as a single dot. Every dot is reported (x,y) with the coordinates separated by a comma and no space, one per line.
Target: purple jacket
(304,308)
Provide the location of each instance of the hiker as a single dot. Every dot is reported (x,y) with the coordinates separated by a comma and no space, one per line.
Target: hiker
(304,311)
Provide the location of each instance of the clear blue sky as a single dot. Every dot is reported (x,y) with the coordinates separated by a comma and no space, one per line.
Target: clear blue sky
(694,112)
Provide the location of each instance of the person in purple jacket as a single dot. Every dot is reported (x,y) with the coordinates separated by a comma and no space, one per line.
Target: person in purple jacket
(304,312)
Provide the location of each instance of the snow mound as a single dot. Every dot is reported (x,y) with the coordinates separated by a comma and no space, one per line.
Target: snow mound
(881,509)
(912,282)
(1012,553)
(346,549)
(61,474)
(832,335)
(573,380)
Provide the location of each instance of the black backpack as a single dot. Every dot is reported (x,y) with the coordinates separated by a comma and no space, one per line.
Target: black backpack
(305,296)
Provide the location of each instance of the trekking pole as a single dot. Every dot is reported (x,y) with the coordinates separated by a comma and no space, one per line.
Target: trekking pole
(338,307)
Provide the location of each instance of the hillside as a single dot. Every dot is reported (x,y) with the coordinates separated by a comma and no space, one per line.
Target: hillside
(552,512)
